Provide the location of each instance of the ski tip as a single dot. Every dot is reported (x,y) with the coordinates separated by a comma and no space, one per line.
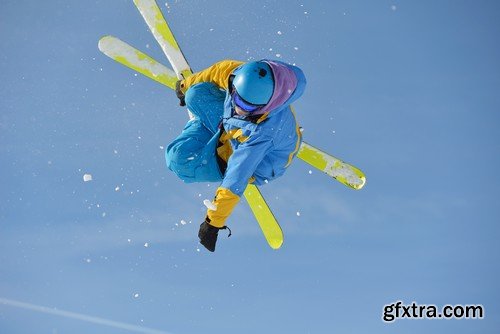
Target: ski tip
(275,244)
(106,37)
(359,186)
(103,41)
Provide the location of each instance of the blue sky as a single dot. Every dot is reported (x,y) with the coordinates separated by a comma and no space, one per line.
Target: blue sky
(406,90)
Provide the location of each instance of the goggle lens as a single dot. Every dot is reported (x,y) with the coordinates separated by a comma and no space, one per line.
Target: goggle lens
(239,102)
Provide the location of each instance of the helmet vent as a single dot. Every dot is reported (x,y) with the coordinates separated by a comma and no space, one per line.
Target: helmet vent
(262,72)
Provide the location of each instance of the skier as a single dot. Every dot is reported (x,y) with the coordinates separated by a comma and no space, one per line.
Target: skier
(243,131)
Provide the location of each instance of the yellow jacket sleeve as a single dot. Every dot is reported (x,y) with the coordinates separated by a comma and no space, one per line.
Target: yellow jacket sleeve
(217,74)
(224,201)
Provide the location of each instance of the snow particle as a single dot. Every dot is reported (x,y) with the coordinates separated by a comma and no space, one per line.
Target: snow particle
(393,8)
(87,177)
(136,295)
(146,245)
(298,213)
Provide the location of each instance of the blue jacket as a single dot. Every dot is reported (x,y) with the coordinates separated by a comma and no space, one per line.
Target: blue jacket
(257,150)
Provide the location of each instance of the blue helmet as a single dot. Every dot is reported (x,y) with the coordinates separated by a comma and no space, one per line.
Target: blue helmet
(254,82)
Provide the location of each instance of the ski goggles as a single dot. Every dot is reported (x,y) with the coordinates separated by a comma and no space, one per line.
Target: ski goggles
(242,104)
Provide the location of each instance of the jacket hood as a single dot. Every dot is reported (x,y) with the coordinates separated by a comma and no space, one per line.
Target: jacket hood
(285,82)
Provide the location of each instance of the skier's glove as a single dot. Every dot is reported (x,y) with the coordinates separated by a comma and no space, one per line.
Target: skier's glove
(180,94)
(208,234)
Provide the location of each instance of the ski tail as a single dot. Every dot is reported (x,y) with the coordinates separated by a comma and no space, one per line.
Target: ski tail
(161,31)
(343,172)
(129,56)
(264,216)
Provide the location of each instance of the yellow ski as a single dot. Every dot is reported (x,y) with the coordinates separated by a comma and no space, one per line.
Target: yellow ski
(129,56)
(264,216)
(341,171)
(161,31)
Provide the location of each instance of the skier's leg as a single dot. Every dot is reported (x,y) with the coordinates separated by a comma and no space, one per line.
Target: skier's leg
(192,155)
(206,102)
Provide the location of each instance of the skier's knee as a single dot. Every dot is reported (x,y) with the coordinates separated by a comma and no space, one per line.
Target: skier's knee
(179,152)
(179,158)
(200,94)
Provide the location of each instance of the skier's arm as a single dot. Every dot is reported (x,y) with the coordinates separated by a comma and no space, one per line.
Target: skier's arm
(218,74)
(240,169)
